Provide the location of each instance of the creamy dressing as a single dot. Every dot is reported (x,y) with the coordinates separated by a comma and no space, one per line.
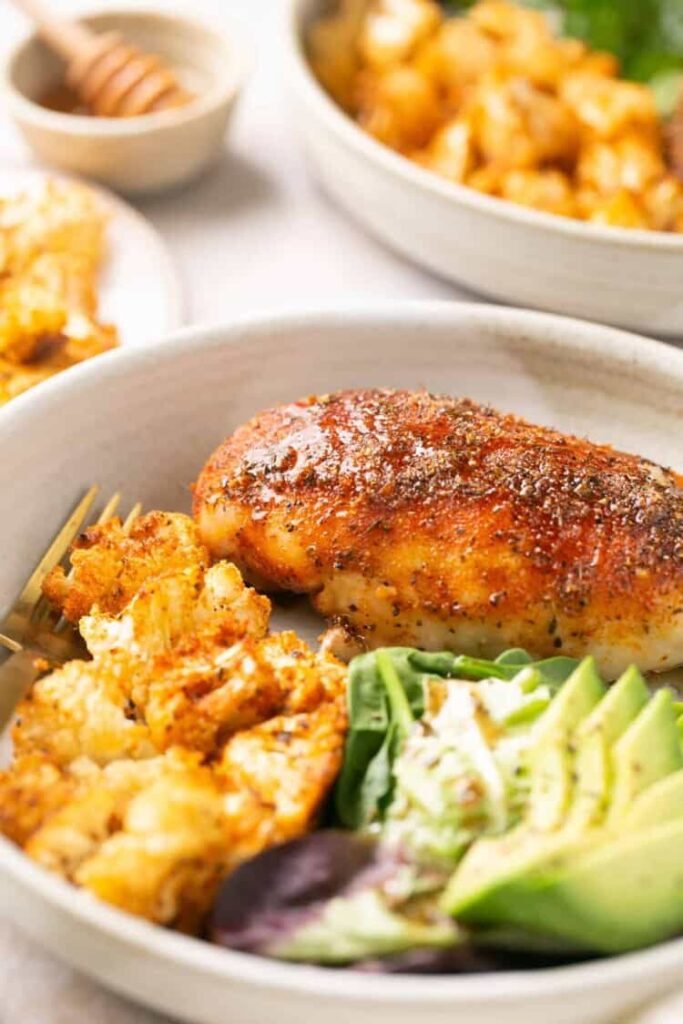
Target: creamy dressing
(462,773)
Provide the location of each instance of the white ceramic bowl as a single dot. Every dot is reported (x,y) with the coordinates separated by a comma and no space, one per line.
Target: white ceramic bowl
(497,248)
(143,421)
(141,154)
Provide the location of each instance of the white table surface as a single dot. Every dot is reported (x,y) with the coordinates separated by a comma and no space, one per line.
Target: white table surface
(254,234)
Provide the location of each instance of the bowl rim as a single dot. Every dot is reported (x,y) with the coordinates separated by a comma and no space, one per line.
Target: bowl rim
(230,36)
(245,969)
(352,135)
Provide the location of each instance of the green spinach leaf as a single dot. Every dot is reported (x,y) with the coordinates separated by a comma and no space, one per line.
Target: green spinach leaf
(552,671)
(385,697)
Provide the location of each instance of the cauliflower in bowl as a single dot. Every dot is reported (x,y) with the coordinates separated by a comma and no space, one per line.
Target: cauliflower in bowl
(495,100)
(190,740)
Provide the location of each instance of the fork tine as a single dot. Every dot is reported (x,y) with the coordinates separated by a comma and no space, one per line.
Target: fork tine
(109,509)
(42,610)
(20,613)
(9,643)
(132,516)
(106,514)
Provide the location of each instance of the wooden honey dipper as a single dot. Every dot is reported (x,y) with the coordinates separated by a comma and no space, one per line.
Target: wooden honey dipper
(112,78)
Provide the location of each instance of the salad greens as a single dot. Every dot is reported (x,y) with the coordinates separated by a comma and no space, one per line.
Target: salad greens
(386,696)
(332,897)
(499,808)
(342,899)
(646,36)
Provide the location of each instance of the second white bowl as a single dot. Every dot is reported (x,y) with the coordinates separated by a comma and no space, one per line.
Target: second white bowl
(618,276)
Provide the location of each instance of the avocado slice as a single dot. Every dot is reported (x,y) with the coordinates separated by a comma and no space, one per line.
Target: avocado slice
(661,803)
(619,896)
(492,866)
(608,879)
(595,738)
(550,760)
(649,750)
(493,862)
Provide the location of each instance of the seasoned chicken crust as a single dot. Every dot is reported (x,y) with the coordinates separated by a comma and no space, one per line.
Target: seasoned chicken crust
(437,522)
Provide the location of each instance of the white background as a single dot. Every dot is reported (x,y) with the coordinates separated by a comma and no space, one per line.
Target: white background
(255,233)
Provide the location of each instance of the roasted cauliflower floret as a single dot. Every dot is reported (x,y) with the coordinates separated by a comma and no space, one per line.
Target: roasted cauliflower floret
(277,775)
(185,663)
(393,29)
(632,162)
(456,56)
(149,837)
(664,203)
(400,107)
(60,217)
(541,189)
(195,695)
(110,564)
(51,247)
(130,770)
(30,790)
(534,53)
(608,107)
(207,695)
(202,697)
(164,668)
(155,836)
(32,321)
(84,708)
(168,857)
(526,45)
(620,210)
(518,125)
(503,20)
(169,608)
(451,153)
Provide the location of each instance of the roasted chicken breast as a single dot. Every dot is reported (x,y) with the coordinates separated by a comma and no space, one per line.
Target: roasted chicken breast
(437,522)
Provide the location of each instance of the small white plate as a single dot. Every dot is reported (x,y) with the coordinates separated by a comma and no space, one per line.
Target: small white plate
(139,289)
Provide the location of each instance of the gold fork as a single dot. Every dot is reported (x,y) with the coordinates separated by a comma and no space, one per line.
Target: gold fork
(31,630)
